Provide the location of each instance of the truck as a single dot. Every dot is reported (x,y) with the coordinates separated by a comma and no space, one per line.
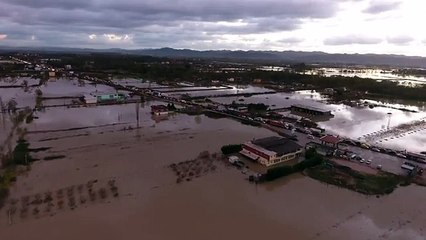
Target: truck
(233,159)
(408,166)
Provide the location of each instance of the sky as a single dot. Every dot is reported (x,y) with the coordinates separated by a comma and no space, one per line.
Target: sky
(335,26)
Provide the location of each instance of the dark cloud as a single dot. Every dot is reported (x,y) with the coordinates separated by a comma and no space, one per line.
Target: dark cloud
(152,22)
(400,40)
(351,40)
(380,6)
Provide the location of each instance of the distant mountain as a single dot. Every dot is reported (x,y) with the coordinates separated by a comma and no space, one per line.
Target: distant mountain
(294,56)
(274,56)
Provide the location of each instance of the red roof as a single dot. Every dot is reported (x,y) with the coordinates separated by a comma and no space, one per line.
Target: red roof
(330,139)
(159,108)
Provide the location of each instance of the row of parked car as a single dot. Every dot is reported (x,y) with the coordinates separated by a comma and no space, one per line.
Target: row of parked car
(350,156)
(401,154)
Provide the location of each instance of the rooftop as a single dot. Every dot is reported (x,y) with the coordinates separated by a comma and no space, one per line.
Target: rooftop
(310,108)
(279,145)
(330,139)
(159,107)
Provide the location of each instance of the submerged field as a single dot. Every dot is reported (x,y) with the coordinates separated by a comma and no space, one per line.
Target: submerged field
(162,178)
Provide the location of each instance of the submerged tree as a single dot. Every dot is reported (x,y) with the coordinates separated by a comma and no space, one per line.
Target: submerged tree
(11,105)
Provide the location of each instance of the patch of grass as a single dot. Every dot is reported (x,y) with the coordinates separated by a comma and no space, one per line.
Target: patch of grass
(6,179)
(369,184)
(21,154)
(53,157)
(229,149)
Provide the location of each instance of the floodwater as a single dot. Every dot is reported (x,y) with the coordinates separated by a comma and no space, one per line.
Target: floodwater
(378,74)
(18,81)
(234,90)
(352,122)
(218,205)
(137,83)
(72,88)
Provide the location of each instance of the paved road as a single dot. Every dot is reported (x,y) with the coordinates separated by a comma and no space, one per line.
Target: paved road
(389,163)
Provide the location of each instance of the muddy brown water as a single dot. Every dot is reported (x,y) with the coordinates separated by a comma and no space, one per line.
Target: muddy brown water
(221,205)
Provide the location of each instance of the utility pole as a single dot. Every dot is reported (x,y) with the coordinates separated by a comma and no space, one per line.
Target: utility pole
(137,114)
(389,119)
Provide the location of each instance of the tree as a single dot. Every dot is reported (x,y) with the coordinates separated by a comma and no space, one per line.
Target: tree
(11,105)
(38,92)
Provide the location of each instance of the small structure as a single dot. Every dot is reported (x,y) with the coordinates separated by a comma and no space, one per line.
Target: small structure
(242,109)
(330,140)
(221,108)
(94,98)
(159,110)
(110,97)
(90,99)
(310,110)
(271,150)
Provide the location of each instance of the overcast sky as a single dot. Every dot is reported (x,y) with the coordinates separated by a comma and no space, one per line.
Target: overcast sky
(344,26)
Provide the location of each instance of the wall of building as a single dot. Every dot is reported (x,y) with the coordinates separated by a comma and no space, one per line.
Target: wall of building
(270,160)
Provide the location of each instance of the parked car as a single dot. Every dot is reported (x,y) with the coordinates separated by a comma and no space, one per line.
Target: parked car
(364,145)
(375,149)
(239,164)
(343,146)
(233,159)
(368,161)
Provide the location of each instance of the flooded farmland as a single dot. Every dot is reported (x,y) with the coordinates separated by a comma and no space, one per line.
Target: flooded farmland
(101,145)
(352,122)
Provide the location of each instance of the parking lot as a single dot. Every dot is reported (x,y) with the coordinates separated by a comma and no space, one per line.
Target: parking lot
(387,162)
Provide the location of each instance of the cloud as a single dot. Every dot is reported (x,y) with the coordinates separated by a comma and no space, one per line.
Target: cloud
(380,6)
(115,37)
(290,40)
(351,40)
(203,24)
(95,18)
(400,40)
(3,36)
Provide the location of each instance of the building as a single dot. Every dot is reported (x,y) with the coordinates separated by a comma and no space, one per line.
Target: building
(310,110)
(90,99)
(159,110)
(330,140)
(104,97)
(271,150)
(110,97)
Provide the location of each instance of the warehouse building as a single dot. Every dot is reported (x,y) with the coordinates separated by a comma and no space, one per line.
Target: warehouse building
(271,150)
